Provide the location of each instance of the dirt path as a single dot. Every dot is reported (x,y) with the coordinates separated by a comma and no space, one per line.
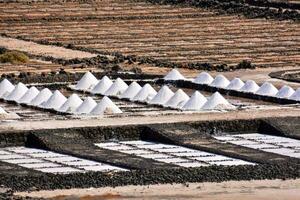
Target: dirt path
(232,115)
(43,50)
(246,190)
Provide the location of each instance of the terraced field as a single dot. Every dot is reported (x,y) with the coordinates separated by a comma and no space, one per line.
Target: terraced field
(176,34)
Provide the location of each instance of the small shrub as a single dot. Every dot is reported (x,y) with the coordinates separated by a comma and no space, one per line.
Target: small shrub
(13,57)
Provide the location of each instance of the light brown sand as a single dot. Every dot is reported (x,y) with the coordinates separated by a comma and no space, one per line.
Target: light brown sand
(231,190)
(42,50)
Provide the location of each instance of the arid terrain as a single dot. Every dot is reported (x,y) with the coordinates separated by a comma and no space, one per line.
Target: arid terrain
(188,138)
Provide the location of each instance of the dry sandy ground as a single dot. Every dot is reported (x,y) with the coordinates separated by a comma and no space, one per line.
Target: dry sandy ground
(231,190)
(9,125)
(42,50)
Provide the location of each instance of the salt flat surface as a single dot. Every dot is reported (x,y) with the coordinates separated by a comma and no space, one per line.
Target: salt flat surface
(176,155)
(268,143)
(50,162)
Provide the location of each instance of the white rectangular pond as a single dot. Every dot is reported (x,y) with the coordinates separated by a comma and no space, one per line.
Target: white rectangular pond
(51,162)
(268,143)
(172,154)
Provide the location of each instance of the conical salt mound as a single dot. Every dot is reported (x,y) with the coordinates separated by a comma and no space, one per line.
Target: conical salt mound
(196,101)
(102,86)
(6,88)
(177,100)
(131,91)
(29,95)
(296,95)
(235,84)
(220,82)
(17,93)
(162,96)
(71,104)
(86,82)
(56,100)
(285,92)
(87,106)
(145,94)
(174,75)
(117,88)
(217,101)
(42,97)
(250,86)
(105,106)
(2,111)
(267,89)
(204,78)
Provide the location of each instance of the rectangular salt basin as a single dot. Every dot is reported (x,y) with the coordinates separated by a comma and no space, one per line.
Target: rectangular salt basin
(12,156)
(137,142)
(26,160)
(107,144)
(59,170)
(244,142)
(136,151)
(227,138)
(39,165)
(175,150)
(260,146)
(213,158)
(157,146)
(46,155)
(102,168)
(172,160)
(82,163)
(192,154)
(119,147)
(4,153)
(231,162)
(156,156)
(23,150)
(62,159)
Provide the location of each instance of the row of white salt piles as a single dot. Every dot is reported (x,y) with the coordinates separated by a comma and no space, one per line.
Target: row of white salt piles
(56,101)
(250,86)
(147,94)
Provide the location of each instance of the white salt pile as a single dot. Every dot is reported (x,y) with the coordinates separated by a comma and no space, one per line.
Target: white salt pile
(203,78)
(72,103)
(295,95)
(220,82)
(267,89)
(105,106)
(177,100)
(217,101)
(17,93)
(6,88)
(285,92)
(2,111)
(87,106)
(235,84)
(174,75)
(102,86)
(117,88)
(29,95)
(162,96)
(42,97)
(250,86)
(86,82)
(131,91)
(145,94)
(56,100)
(195,103)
